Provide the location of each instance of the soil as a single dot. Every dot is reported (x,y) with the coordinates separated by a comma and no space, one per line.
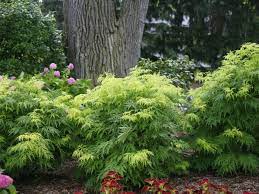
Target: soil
(62,182)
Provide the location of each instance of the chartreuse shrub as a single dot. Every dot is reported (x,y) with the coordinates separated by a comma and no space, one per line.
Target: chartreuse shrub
(131,125)
(35,133)
(228,109)
(28,39)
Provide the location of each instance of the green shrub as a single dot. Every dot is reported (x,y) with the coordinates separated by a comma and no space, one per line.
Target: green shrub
(131,125)
(228,108)
(180,71)
(35,133)
(28,39)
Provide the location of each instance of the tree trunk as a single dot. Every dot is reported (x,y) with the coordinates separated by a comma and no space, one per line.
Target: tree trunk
(98,41)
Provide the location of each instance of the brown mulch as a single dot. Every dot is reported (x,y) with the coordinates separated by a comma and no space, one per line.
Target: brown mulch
(62,182)
(60,185)
(237,184)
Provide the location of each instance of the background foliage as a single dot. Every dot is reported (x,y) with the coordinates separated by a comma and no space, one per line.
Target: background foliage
(180,71)
(28,39)
(205,30)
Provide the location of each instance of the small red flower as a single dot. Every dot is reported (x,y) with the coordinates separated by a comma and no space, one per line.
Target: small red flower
(203,182)
(150,181)
(146,188)
(114,175)
(160,182)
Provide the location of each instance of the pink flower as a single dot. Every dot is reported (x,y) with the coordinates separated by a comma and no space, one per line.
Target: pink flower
(71,66)
(53,66)
(1,78)
(71,81)
(46,70)
(57,73)
(5,181)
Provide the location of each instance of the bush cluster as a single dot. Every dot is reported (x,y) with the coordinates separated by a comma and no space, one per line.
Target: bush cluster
(140,126)
(28,39)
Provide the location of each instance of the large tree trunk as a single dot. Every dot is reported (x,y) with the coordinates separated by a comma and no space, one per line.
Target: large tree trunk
(98,41)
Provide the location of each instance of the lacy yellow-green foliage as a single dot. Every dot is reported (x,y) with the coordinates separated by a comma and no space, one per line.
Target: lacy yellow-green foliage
(228,108)
(33,125)
(131,125)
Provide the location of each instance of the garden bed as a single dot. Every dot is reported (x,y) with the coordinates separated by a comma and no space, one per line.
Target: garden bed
(65,184)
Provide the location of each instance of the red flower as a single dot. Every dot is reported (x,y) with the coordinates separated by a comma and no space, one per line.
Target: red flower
(203,182)
(160,183)
(150,181)
(114,175)
(146,188)
(221,188)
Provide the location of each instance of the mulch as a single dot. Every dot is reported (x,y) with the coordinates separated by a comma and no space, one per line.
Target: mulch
(56,185)
(62,182)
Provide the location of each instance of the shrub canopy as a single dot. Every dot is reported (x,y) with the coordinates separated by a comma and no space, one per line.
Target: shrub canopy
(228,108)
(131,125)
(35,132)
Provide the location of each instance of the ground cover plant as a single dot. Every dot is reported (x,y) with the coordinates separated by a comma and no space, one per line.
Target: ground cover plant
(111,184)
(228,109)
(133,125)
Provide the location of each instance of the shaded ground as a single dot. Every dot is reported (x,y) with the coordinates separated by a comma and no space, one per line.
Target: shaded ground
(62,182)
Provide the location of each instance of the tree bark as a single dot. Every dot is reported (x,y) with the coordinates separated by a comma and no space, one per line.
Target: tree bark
(98,41)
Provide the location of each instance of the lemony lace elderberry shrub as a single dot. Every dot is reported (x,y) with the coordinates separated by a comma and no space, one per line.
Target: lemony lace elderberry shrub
(35,133)
(132,125)
(228,108)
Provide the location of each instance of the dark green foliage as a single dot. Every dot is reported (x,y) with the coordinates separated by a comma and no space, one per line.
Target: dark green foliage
(56,7)
(28,40)
(204,30)
(131,125)
(180,71)
(228,109)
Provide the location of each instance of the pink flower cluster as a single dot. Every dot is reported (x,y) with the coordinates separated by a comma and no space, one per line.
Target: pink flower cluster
(71,81)
(53,66)
(57,74)
(5,181)
(70,66)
